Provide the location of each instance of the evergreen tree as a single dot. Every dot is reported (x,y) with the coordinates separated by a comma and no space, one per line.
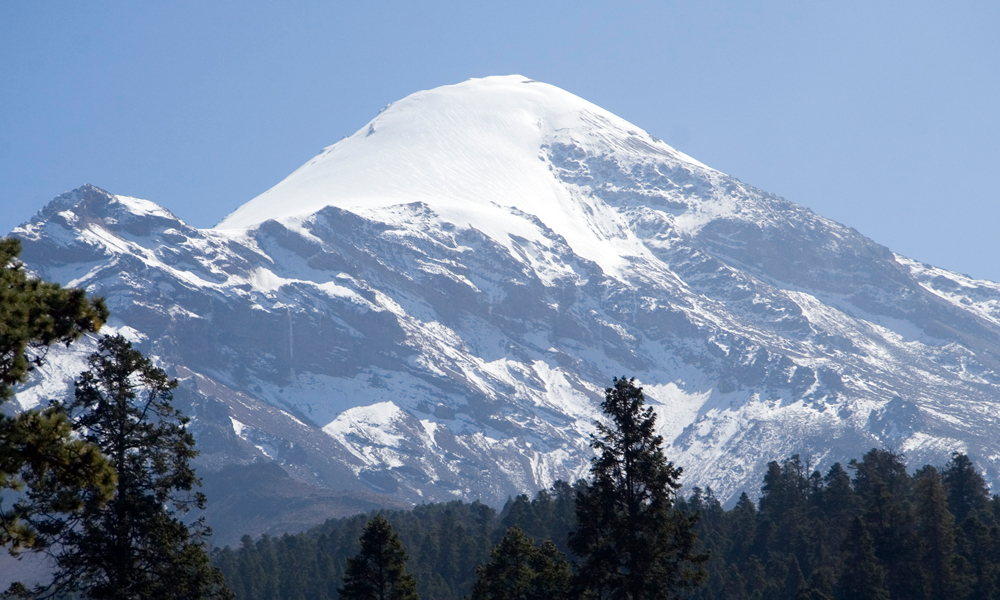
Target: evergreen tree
(863,578)
(37,447)
(940,561)
(980,546)
(57,474)
(794,581)
(521,512)
(378,571)
(835,505)
(520,570)
(884,489)
(269,574)
(837,497)
(135,546)
(966,489)
(35,314)
(552,573)
(631,544)
(561,518)
(785,510)
(712,511)
(785,488)
(741,523)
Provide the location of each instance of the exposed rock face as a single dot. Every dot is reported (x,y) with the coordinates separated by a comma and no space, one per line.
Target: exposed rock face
(429,343)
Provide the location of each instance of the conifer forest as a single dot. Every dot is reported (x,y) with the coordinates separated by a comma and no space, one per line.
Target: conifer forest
(867,530)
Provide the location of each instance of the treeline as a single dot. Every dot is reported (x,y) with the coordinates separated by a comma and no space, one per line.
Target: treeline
(870,531)
(621,527)
(445,543)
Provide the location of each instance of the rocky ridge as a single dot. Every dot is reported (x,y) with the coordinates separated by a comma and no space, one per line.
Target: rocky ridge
(432,337)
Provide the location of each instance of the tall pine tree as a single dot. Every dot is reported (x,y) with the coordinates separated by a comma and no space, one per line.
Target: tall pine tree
(941,564)
(631,543)
(378,571)
(520,570)
(966,489)
(884,488)
(136,546)
(37,448)
(863,578)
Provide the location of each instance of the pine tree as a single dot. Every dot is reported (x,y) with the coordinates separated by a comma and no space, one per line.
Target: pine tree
(785,488)
(980,546)
(270,569)
(863,577)
(520,511)
(136,546)
(784,508)
(837,498)
(378,571)
(631,544)
(57,474)
(36,314)
(36,447)
(741,523)
(940,562)
(884,488)
(520,570)
(967,491)
(552,573)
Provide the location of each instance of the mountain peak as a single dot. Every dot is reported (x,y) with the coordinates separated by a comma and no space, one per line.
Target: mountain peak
(86,193)
(438,299)
(498,155)
(89,200)
(459,148)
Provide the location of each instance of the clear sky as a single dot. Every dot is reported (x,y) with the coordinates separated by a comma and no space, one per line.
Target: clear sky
(884,116)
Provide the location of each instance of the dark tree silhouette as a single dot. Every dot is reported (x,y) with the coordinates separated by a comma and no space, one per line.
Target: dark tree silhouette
(631,543)
(863,577)
(942,566)
(36,447)
(378,571)
(135,546)
(966,489)
(520,570)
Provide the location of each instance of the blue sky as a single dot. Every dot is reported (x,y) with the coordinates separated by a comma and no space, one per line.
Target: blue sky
(884,116)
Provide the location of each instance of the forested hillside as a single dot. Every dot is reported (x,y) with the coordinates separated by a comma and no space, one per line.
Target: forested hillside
(867,530)
(446,542)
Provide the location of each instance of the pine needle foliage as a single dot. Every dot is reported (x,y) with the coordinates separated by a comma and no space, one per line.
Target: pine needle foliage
(36,314)
(135,546)
(521,570)
(37,449)
(378,571)
(631,544)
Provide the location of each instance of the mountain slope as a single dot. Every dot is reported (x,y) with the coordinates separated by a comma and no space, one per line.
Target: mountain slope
(430,308)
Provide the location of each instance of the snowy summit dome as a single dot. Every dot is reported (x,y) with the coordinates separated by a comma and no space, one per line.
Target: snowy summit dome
(460,149)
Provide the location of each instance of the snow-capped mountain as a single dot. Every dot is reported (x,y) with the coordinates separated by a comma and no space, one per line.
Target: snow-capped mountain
(431,308)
